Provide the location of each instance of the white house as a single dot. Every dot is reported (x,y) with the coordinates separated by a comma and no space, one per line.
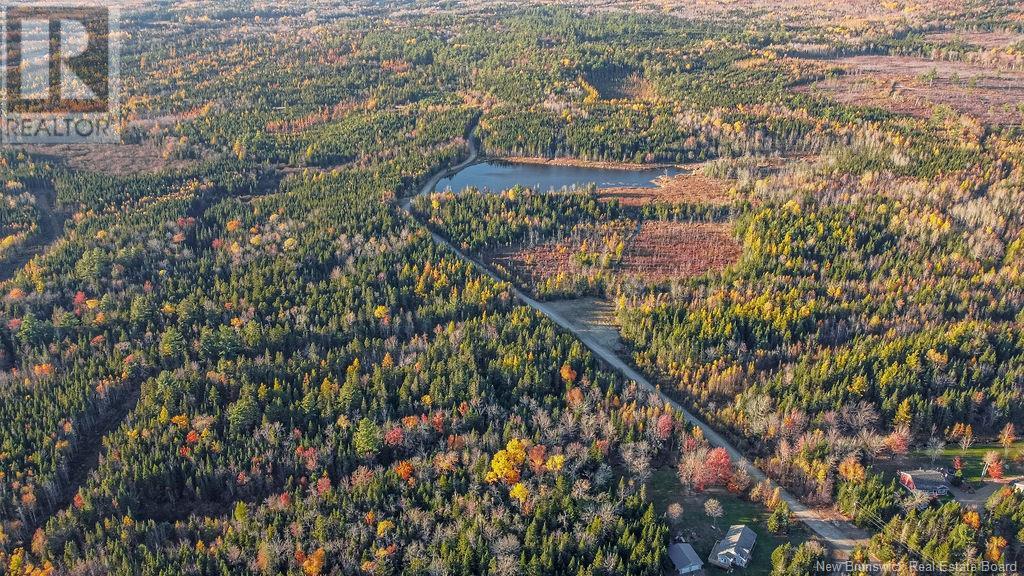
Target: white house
(735,549)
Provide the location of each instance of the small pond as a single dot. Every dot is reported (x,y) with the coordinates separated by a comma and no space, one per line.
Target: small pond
(495,176)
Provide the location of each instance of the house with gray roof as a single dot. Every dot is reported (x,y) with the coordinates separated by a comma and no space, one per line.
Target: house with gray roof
(735,549)
(685,559)
(931,483)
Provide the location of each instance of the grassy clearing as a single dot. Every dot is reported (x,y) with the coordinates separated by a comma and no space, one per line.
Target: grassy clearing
(973,460)
(664,489)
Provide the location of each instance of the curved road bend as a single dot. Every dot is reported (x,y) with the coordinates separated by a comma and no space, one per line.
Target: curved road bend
(428,187)
(841,536)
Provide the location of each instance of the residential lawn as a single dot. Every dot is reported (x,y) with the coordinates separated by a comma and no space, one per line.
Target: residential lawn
(973,460)
(664,489)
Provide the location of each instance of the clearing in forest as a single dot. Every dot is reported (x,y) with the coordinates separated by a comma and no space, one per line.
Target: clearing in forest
(694,525)
(657,252)
(113,159)
(914,86)
(666,251)
(679,189)
(989,40)
(592,316)
(151,155)
(620,83)
(848,13)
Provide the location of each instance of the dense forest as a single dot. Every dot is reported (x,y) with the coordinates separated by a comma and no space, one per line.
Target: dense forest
(305,360)
(249,359)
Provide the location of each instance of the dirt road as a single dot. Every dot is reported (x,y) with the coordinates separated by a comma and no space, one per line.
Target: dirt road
(841,536)
(51,226)
(428,187)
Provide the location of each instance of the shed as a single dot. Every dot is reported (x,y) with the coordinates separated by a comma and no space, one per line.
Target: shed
(685,558)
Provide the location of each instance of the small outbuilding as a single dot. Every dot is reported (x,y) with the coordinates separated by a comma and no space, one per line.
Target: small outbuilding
(685,559)
(735,549)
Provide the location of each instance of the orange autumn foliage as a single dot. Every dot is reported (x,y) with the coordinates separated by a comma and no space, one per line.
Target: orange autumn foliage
(406,471)
(851,470)
(972,519)
(537,456)
(994,548)
(314,563)
(568,374)
(43,369)
(575,397)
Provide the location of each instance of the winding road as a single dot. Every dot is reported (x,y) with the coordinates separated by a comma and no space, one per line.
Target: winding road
(428,187)
(841,536)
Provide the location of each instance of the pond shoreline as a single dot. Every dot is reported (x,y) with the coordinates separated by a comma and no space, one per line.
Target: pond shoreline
(497,174)
(579,163)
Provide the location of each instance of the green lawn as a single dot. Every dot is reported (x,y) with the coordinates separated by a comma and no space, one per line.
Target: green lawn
(664,489)
(973,460)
